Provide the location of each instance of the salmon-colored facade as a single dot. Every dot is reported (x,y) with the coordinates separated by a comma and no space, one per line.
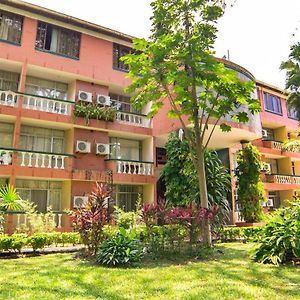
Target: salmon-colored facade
(50,64)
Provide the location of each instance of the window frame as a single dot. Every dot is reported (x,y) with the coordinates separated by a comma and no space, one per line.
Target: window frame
(119,48)
(275,101)
(60,29)
(10,14)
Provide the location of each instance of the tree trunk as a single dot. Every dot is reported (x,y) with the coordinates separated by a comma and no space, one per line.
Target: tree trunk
(206,234)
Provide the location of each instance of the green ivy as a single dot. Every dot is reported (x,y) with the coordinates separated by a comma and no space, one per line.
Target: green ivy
(251,192)
(94,111)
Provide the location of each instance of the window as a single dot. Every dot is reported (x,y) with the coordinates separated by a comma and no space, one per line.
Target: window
(42,193)
(292,113)
(125,149)
(274,196)
(293,168)
(274,165)
(161,156)
(6,134)
(9,81)
(10,27)
(57,40)
(46,88)
(42,139)
(122,103)
(3,181)
(118,52)
(270,134)
(126,196)
(272,103)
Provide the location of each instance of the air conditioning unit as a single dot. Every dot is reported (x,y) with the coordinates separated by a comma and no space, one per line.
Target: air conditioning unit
(79,201)
(270,202)
(85,96)
(83,147)
(103,100)
(264,133)
(267,167)
(102,149)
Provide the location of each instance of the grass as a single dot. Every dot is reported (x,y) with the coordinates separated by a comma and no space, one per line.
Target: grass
(231,275)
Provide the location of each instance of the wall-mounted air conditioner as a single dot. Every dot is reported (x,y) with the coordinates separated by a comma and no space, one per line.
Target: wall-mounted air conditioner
(103,100)
(79,201)
(264,133)
(85,96)
(267,167)
(83,147)
(102,149)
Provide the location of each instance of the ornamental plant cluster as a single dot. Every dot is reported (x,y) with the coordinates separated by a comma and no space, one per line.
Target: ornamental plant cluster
(115,245)
(94,111)
(280,237)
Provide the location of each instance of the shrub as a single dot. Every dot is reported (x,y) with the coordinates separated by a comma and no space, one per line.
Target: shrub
(125,219)
(280,240)
(121,250)
(13,242)
(40,241)
(232,234)
(90,219)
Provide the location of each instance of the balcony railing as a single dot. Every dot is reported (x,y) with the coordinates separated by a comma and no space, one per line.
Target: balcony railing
(20,219)
(276,145)
(50,105)
(8,98)
(133,167)
(35,102)
(283,179)
(34,159)
(133,119)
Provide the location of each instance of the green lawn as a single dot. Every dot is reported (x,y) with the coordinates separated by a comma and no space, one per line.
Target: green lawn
(229,276)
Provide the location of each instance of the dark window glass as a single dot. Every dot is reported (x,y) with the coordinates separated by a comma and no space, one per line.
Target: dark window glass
(10,27)
(272,103)
(118,52)
(292,113)
(58,40)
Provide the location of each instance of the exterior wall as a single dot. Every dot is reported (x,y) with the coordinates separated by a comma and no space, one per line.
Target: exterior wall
(93,72)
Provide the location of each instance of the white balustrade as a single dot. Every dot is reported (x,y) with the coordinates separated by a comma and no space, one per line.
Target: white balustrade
(8,98)
(5,157)
(283,179)
(276,145)
(132,119)
(42,160)
(47,105)
(21,220)
(296,180)
(135,168)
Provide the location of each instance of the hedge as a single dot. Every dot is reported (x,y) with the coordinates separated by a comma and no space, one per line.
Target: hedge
(15,242)
(232,234)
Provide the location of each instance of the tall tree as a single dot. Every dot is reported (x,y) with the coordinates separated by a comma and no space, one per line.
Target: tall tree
(292,66)
(177,65)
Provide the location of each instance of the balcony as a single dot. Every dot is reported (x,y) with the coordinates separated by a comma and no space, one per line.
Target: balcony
(133,119)
(283,179)
(37,103)
(132,167)
(19,219)
(50,105)
(9,98)
(275,145)
(34,159)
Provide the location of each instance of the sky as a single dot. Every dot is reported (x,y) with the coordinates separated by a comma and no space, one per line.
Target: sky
(257,33)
